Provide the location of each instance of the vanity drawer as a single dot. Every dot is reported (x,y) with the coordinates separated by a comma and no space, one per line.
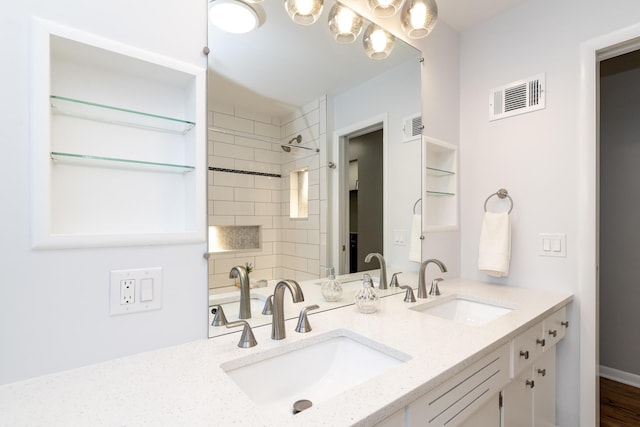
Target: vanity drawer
(555,327)
(450,403)
(525,348)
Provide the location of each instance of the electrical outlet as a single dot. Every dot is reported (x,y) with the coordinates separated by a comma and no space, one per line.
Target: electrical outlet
(127,291)
(132,291)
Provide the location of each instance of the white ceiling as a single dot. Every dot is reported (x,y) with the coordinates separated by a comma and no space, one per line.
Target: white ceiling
(462,14)
(283,65)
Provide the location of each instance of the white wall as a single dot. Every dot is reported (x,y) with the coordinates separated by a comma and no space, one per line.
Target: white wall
(534,156)
(55,312)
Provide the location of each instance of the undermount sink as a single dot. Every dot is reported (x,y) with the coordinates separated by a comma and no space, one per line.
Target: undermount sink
(464,310)
(312,370)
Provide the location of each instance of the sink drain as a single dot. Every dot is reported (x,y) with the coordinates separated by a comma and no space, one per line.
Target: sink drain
(301,405)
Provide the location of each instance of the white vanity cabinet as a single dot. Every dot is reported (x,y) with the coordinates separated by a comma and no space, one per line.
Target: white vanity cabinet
(514,386)
(459,397)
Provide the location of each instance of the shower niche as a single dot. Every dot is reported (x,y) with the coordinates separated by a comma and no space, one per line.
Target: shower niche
(118,143)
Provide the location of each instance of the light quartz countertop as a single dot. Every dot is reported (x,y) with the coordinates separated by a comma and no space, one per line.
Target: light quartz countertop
(186,385)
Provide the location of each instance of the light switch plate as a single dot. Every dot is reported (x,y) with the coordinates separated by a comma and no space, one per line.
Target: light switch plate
(132,291)
(552,244)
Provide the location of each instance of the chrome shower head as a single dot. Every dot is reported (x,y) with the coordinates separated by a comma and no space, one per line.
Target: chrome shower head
(286,148)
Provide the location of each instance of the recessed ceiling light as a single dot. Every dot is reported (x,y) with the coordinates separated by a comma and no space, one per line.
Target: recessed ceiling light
(233,16)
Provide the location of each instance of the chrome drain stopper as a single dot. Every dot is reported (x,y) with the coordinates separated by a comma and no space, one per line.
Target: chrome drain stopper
(301,405)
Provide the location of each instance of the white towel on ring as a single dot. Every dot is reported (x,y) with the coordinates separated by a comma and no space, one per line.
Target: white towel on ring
(415,244)
(495,244)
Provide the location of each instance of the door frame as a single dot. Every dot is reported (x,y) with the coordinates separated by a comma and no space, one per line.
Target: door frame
(339,187)
(591,53)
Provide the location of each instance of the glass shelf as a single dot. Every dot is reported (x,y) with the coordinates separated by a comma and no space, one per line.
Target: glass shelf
(119,116)
(438,172)
(112,162)
(439,193)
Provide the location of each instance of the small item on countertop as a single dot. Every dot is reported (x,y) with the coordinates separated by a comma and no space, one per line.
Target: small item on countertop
(367,299)
(331,288)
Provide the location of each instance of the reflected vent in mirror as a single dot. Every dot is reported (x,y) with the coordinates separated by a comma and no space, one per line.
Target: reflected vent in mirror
(412,128)
(518,97)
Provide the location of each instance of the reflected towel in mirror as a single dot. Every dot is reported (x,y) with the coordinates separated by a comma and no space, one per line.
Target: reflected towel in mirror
(415,244)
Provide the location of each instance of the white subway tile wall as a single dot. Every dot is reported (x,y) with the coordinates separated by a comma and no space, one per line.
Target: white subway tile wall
(291,248)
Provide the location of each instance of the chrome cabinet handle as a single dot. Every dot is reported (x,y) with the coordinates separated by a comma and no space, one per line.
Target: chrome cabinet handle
(542,372)
(542,341)
(565,323)
(553,333)
(524,354)
(530,383)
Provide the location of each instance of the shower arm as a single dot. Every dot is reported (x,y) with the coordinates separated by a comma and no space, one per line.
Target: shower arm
(297,139)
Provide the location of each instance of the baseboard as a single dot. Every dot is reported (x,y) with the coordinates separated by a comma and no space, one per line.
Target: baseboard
(620,376)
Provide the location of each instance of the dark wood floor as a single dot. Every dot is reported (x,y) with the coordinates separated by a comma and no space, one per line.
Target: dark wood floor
(619,404)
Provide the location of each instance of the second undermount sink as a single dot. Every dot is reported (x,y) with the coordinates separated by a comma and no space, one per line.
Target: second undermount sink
(312,370)
(464,310)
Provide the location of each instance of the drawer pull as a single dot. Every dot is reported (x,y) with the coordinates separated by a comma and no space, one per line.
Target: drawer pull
(524,354)
(542,372)
(553,333)
(541,341)
(530,383)
(565,323)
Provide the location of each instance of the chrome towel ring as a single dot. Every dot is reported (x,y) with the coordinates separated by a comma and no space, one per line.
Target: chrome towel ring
(415,205)
(501,193)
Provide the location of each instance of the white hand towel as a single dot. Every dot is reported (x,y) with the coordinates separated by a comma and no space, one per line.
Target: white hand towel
(415,244)
(495,244)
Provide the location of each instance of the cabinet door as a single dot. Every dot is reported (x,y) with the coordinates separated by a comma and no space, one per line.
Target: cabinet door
(518,401)
(488,415)
(544,393)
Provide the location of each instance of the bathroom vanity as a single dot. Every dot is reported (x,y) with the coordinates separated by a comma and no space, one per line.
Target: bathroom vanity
(474,355)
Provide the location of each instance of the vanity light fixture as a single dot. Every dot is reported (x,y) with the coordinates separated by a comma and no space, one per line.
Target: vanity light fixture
(344,24)
(234,16)
(384,8)
(419,17)
(377,42)
(305,12)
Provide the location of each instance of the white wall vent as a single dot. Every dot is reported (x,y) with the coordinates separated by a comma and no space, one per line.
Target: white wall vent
(412,128)
(518,97)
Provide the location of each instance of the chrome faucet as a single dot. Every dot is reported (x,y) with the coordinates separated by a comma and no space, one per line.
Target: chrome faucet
(277,324)
(383,268)
(422,287)
(245,299)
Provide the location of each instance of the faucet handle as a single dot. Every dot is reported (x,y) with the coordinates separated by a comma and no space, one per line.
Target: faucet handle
(303,320)
(219,319)
(394,280)
(434,286)
(247,339)
(268,306)
(408,297)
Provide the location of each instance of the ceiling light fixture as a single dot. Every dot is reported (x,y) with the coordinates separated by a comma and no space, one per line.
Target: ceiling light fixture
(384,8)
(344,24)
(233,16)
(377,42)
(419,17)
(305,12)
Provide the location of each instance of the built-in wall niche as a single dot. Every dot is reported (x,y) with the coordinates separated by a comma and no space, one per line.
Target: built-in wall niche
(299,194)
(118,148)
(440,177)
(234,238)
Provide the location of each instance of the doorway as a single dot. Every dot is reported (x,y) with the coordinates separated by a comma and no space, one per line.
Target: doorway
(592,52)
(365,209)
(619,236)
(362,195)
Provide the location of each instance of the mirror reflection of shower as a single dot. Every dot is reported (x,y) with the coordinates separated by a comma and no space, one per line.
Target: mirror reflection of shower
(297,139)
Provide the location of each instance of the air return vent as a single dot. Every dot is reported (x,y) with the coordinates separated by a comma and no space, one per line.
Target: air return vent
(412,128)
(518,97)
